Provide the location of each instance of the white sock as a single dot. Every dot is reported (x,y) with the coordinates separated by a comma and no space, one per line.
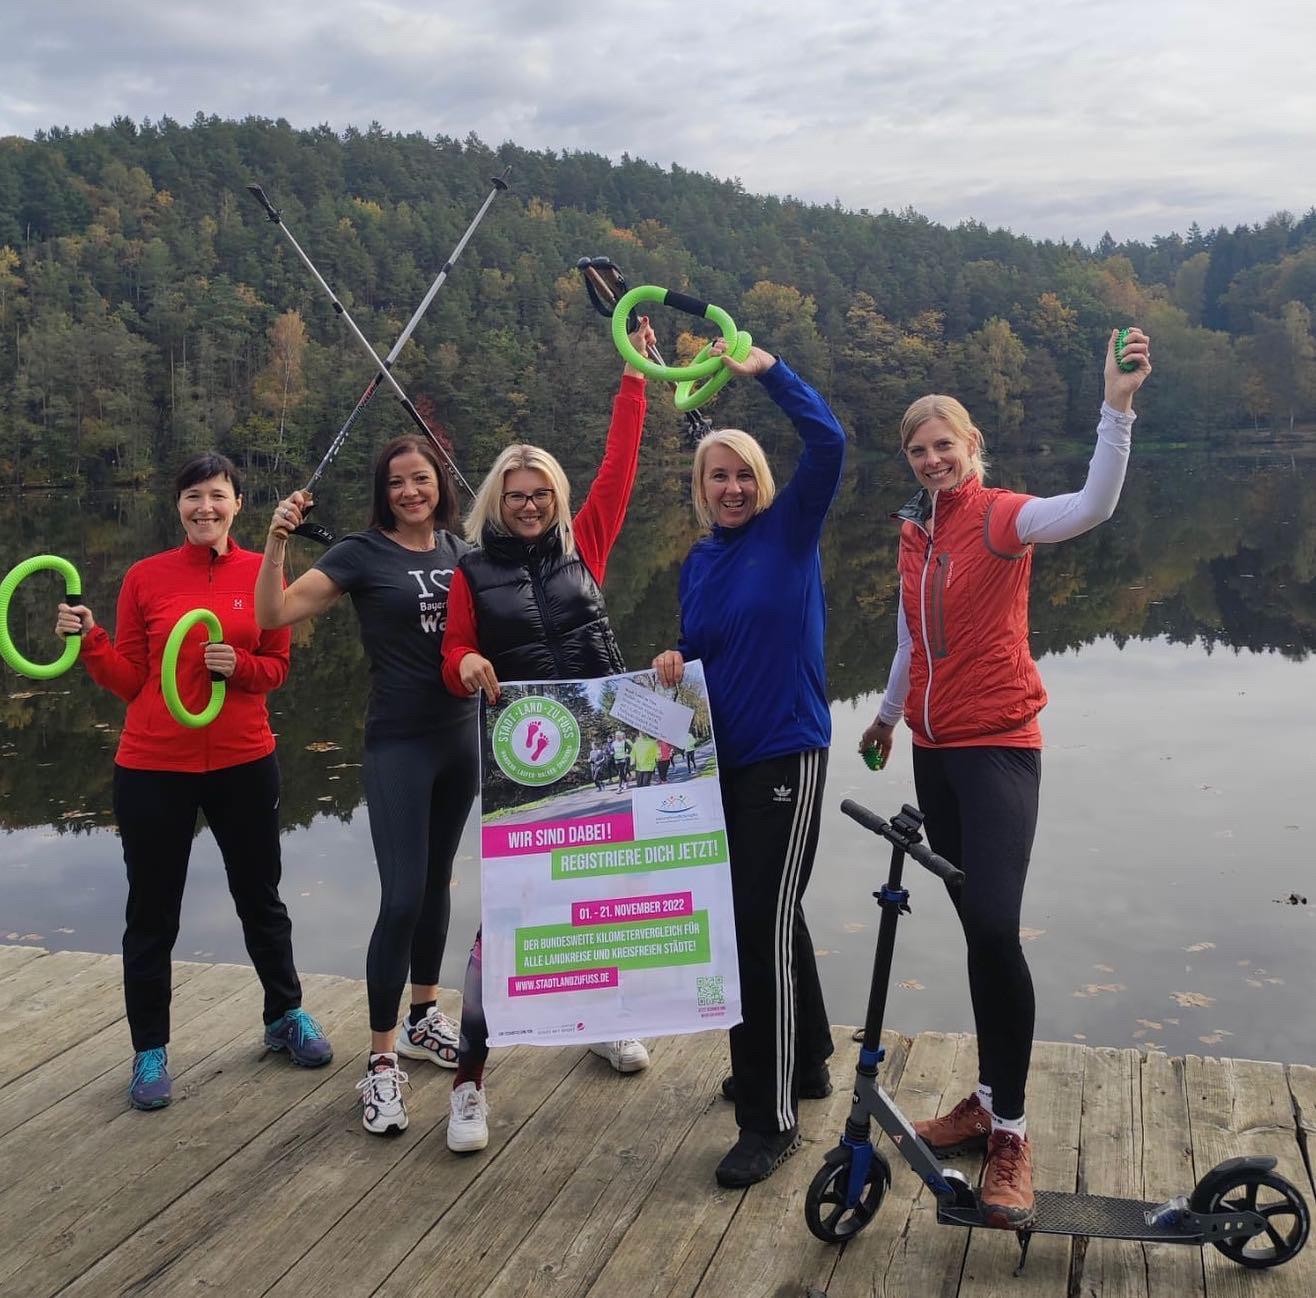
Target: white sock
(1019,1125)
(985,1096)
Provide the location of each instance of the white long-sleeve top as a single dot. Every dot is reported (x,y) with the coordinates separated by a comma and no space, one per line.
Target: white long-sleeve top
(1043,519)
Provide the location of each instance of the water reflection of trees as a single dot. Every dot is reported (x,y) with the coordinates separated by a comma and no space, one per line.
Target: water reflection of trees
(1213,550)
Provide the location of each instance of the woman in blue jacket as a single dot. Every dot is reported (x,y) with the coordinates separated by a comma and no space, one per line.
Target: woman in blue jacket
(752,610)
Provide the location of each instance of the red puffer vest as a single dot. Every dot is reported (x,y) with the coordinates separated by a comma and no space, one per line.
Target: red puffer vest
(972,676)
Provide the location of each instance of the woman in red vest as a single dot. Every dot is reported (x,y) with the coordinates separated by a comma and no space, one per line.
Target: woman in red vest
(966,683)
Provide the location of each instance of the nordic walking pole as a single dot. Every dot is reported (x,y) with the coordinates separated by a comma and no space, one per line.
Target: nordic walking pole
(383,372)
(499,184)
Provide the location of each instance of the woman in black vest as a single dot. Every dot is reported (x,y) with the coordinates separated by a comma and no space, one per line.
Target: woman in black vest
(527,605)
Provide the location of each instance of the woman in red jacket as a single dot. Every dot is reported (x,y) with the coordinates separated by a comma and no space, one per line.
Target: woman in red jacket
(966,682)
(164,773)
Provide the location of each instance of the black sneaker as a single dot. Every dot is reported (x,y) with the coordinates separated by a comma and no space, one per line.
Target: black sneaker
(816,1084)
(755,1156)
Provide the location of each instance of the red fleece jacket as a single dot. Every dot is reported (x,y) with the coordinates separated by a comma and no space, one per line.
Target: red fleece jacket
(155,593)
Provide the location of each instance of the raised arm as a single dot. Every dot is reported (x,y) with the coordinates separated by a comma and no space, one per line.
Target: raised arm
(598,521)
(1058,518)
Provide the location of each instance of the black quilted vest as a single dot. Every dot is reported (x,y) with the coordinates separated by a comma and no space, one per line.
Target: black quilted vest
(539,615)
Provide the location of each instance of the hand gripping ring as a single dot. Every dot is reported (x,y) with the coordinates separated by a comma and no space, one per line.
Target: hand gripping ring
(73,590)
(682,302)
(1125,367)
(690,396)
(169,671)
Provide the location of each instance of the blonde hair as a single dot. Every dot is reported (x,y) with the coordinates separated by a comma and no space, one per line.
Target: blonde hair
(741,444)
(953,414)
(487,508)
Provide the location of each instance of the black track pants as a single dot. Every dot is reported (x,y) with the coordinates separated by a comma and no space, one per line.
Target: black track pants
(980,806)
(157,812)
(772,813)
(418,792)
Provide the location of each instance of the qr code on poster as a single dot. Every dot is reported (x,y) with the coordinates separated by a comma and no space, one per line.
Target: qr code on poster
(710,991)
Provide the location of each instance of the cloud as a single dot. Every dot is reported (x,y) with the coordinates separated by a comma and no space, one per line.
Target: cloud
(1059,121)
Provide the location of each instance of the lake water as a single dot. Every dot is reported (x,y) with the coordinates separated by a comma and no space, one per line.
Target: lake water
(1169,896)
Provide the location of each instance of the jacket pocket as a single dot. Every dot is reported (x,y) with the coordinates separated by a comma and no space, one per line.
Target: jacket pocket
(937,639)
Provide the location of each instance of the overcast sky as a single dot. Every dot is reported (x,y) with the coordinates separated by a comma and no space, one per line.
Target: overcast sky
(1059,119)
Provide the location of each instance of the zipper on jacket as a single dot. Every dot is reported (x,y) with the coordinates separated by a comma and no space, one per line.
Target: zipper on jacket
(923,623)
(550,632)
(939,578)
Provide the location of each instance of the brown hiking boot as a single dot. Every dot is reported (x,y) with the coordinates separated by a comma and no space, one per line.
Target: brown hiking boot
(1006,1195)
(961,1131)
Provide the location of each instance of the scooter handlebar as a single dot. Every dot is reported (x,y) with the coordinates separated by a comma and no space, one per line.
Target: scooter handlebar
(925,856)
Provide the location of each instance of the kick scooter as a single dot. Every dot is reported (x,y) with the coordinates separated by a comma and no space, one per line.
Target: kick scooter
(1242,1206)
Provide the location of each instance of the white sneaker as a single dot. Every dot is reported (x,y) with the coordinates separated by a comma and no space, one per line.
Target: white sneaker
(383,1112)
(468,1125)
(624,1056)
(433,1037)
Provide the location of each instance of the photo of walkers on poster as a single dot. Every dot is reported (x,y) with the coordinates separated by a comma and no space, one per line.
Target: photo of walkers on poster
(605,879)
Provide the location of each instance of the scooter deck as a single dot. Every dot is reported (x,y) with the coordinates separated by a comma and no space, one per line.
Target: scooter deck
(1094,1215)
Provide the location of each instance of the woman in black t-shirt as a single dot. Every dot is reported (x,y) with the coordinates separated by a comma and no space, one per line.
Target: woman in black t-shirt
(421,758)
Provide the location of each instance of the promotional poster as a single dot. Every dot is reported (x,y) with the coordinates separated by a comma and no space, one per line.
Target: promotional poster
(605,880)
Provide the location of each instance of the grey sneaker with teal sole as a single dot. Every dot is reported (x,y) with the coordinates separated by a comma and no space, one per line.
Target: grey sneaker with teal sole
(302,1037)
(152,1087)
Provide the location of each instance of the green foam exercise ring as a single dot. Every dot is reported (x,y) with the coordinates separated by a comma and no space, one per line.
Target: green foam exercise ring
(690,396)
(1124,367)
(682,302)
(73,591)
(169,671)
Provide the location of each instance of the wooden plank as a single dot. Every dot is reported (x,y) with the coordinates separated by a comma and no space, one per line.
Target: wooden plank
(36,976)
(368,1240)
(1110,1163)
(767,1248)
(64,1000)
(568,1246)
(15,957)
(1238,1106)
(248,1222)
(91,1186)
(464,1250)
(105,1057)
(677,1229)
(903,1251)
(1167,1170)
(1055,1090)
(1302,1087)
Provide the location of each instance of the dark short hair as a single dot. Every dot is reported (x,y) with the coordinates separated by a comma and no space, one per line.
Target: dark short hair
(203,467)
(381,512)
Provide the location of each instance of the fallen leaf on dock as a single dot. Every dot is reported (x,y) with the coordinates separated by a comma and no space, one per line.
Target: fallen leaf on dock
(1201,946)
(1030,934)
(1189,999)
(911,985)
(323,746)
(1095,989)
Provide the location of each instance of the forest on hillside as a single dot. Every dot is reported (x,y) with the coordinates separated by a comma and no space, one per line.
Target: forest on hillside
(148,308)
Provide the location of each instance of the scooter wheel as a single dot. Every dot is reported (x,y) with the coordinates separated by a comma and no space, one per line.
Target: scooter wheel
(1271,1197)
(825,1210)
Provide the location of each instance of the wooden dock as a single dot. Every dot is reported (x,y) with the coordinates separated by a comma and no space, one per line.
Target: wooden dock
(260,1180)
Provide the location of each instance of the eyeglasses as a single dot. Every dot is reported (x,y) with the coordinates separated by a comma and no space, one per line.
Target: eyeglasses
(541,496)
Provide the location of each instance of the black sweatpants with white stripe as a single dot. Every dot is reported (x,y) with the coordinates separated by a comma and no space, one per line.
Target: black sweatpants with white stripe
(772,813)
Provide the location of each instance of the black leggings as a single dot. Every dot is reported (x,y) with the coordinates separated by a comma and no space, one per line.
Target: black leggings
(157,812)
(418,792)
(980,806)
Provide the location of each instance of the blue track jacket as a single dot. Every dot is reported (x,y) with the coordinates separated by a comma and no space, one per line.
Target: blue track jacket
(752,606)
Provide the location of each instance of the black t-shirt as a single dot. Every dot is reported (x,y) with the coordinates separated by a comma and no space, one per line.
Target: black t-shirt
(401,601)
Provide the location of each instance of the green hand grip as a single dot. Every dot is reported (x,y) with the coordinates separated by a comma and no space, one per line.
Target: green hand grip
(1125,367)
(73,590)
(690,396)
(169,671)
(672,373)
